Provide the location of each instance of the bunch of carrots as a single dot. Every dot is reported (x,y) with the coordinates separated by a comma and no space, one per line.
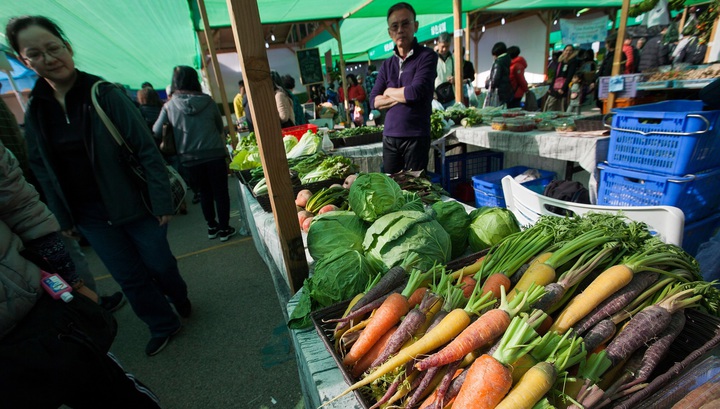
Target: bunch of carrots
(571,312)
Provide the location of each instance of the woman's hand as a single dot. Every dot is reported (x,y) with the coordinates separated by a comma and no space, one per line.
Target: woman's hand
(164,219)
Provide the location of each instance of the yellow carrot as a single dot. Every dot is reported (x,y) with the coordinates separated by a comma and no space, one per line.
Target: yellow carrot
(339,328)
(522,366)
(605,285)
(531,388)
(538,272)
(470,270)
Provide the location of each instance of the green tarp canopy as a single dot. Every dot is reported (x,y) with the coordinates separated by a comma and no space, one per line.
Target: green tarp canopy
(123,41)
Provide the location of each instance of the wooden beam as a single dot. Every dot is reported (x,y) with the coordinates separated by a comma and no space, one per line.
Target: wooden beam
(320,29)
(468,25)
(245,20)
(458,57)
(617,61)
(218,75)
(711,40)
(334,30)
(476,45)
(683,19)
(548,29)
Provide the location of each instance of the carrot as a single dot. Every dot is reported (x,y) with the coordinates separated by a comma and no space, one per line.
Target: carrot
(430,380)
(340,330)
(486,329)
(602,332)
(494,282)
(470,270)
(447,329)
(489,378)
(367,359)
(516,249)
(543,273)
(656,256)
(588,375)
(468,285)
(416,297)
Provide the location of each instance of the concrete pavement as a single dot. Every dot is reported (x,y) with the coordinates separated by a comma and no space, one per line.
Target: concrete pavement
(235,350)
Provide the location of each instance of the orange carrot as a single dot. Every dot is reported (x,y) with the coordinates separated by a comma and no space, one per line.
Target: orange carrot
(494,282)
(468,285)
(416,297)
(486,329)
(389,314)
(364,363)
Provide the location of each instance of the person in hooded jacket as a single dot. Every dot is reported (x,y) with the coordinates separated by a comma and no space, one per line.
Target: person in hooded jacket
(200,143)
(499,80)
(518,65)
(76,163)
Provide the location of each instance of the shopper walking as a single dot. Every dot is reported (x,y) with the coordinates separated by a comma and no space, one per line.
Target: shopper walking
(445,71)
(150,104)
(356,97)
(565,68)
(499,88)
(519,84)
(406,93)
(52,352)
(200,144)
(75,160)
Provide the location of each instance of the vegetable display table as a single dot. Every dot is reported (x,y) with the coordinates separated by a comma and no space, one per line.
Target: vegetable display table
(570,147)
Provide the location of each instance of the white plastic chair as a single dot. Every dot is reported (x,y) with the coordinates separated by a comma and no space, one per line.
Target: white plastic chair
(527,206)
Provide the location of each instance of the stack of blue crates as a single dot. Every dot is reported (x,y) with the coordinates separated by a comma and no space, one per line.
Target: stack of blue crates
(666,153)
(489,190)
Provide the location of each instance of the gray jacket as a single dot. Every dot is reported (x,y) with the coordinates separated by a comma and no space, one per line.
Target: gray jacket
(197,127)
(118,187)
(22,218)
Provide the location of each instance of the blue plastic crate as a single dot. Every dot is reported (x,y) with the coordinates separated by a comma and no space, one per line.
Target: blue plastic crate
(488,186)
(699,232)
(669,138)
(696,195)
(460,168)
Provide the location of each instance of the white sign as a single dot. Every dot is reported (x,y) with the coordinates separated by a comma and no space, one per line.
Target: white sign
(438,28)
(579,31)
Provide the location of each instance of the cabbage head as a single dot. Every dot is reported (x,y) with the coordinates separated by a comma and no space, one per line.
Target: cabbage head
(341,274)
(396,235)
(453,217)
(412,202)
(333,230)
(489,225)
(289,141)
(373,195)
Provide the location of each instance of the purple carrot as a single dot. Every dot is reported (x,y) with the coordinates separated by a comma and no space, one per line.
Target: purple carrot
(455,386)
(427,378)
(409,326)
(366,308)
(553,293)
(617,301)
(444,385)
(599,334)
(659,348)
(643,327)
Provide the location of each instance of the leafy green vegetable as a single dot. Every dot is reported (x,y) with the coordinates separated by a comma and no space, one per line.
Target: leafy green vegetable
(373,195)
(289,141)
(437,124)
(489,225)
(306,164)
(412,202)
(394,236)
(361,130)
(417,181)
(454,219)
(335,230)
(245,159)
(339,275)
(333,167)
(309,143)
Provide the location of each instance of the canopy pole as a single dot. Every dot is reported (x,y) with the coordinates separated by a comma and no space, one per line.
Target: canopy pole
(682,20)
(711,40)
(218,74)
(250,45)
(334,30)
(548,30)
(17,92)
(468,23)
(618,49)
(476,48)
(458,57)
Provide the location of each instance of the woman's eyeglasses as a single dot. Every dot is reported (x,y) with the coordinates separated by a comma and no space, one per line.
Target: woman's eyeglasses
(53,50)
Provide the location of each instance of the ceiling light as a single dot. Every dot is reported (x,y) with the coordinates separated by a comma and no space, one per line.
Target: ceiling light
(555,22)
(483,29)
(267,45)
(272,36)
(502,21)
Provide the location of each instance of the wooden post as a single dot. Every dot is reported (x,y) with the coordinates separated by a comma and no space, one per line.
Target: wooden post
(250,44)
(682,21)
(476,49)
(334,30)
(468,25)
(218,74)
(548,29)
(711,40)
(458,57)
(618,49)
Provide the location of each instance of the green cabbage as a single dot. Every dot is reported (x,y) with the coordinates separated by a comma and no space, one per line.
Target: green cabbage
(341,274)
(309,144)
(412,202)
(394,236)
(373,195)
(289,141)
(333,230)
(453,217)
(489,225)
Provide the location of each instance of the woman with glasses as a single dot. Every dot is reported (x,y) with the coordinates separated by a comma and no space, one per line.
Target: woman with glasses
(88,188)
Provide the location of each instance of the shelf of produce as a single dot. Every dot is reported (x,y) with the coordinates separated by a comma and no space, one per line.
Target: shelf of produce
(568,146)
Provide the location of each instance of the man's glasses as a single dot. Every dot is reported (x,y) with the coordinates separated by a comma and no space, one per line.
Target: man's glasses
(395,27)
(53,50)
